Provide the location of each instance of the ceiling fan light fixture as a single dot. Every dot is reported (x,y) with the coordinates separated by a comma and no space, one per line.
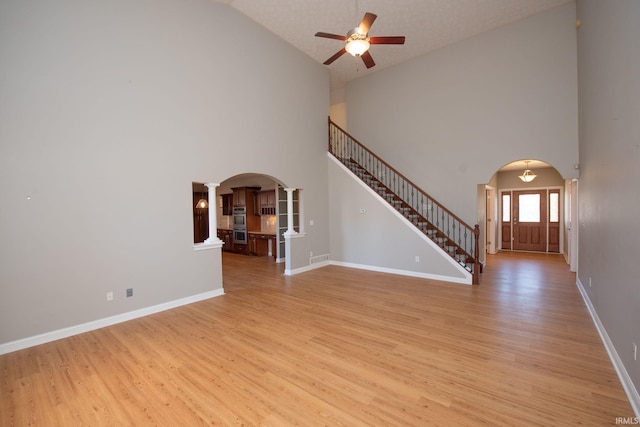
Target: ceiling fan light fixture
(357,47)
(527,175)
(357,43)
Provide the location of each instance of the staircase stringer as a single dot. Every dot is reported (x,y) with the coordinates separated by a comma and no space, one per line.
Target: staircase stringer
(454,237)
(430,242)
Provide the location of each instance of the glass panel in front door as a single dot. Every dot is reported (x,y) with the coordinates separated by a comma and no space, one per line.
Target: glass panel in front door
(529,207)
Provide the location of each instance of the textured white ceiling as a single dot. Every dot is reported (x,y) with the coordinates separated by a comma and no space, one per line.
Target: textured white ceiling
(427,24)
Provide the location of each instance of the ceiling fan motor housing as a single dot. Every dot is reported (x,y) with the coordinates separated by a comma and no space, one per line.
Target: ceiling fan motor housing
(356,34)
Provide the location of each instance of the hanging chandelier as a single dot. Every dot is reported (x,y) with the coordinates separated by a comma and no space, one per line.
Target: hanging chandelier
(527,175)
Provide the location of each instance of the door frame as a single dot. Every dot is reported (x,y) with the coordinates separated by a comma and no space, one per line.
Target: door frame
(572,225)
(561,214)
(524,233)
(491,219)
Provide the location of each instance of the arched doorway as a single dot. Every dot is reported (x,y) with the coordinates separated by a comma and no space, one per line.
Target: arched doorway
(524,209)
(252,212)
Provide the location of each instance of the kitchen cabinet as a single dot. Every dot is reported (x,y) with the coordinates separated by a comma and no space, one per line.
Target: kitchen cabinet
(239,197)
(227,204)
(229,246)
(227,237)
(257,243)
(240,249)
(253,244)
(266,203)
(260,243)
(243,197)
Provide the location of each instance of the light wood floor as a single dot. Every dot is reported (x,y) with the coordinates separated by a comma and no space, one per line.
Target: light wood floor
(333,347)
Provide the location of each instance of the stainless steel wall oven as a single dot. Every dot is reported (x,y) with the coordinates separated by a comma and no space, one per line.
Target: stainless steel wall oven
(240,225)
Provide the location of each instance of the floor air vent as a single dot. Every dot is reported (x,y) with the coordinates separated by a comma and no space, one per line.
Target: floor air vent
(319,258)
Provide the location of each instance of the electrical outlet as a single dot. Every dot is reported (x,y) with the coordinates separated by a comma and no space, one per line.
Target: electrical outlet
(635,351)
(417,258)
(109,296)
(589,281)
(129,292)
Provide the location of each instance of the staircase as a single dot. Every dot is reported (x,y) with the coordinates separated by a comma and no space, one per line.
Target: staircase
(457,239)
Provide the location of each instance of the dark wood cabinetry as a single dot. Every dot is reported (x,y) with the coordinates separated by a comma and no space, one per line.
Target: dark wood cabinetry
(260,243)
(239,197)
(245,197)
(241,249)
(266,203)
(227,204)
(255,204)
(227,237)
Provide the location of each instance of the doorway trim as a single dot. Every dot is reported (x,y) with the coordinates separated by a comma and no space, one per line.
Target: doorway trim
(561,215)
(491,198)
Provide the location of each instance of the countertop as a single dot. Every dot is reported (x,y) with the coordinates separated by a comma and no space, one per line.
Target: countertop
(264,233)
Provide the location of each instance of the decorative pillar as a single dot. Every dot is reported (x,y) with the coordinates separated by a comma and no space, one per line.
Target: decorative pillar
(290,230)
(213,215)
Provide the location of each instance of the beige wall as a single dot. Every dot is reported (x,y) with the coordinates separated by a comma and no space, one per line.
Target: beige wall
(365,231)
(449,120)
(338,114)
(609,206)
(109,111)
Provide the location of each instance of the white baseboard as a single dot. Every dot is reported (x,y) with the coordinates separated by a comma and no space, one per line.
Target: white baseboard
(461,280)
(306,268)
(378,269)
(625,379)
(101,323)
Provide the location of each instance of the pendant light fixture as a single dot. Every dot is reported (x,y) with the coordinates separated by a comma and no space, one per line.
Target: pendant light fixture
(527,175)
(202,203)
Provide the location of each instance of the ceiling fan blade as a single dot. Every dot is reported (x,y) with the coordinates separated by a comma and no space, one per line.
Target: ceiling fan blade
(336,56)
(387,40)
(331,36)
(367,59)
(367,22)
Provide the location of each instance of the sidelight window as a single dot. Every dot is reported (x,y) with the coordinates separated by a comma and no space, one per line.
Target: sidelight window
(554,207)
(506,208)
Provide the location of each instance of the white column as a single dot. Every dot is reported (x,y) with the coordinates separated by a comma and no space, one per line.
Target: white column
(213,214)
(290,230)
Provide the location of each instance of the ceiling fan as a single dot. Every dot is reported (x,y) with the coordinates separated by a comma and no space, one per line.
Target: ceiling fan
(357,41)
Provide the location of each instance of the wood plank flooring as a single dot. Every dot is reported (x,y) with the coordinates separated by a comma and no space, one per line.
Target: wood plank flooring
(334,347)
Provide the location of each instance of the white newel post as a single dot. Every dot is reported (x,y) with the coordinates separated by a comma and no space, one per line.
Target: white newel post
(290,230)
(213,214)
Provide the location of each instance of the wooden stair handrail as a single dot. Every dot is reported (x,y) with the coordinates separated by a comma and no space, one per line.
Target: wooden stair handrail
(440,205)
(474,230)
